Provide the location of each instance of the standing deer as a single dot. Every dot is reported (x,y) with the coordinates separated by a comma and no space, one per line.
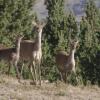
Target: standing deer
(66,62)
(31,51)
(12,55)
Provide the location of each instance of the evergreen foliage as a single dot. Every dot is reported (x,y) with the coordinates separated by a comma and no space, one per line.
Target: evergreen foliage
(15,18)
(55,37)
(89,51)
(60,28)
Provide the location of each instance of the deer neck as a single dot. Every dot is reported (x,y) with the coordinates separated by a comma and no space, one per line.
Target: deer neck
(71,55)
(18,47)
(38,40)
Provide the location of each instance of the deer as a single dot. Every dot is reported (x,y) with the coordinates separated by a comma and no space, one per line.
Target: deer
(11,55)
(31,51)
(66,62)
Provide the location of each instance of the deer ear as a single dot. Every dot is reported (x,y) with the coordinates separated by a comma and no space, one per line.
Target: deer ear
(34,23)
(22,36)
(43,24)
(77,41)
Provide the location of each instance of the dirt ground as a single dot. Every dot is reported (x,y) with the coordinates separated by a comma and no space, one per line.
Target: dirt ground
(10,89)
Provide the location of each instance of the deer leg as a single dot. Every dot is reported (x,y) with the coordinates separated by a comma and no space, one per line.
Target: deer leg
(31,71)
(9,67)
(61,76)
(64,77)
(39,71)
(17,71)
(35,71)
(22,69)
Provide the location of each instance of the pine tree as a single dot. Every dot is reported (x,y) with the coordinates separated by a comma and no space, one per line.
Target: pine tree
(89,45)
(55,26)
(15,18)
(93,17)
(55,35)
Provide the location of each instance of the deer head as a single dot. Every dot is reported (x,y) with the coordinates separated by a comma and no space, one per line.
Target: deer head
(73,44)
(19,38)
(38,25)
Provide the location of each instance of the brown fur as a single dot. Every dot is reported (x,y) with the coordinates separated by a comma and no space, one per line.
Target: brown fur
(12,55)
(31,51)
(66,62)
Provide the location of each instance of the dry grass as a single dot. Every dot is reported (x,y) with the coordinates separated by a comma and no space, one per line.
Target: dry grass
(10,89)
